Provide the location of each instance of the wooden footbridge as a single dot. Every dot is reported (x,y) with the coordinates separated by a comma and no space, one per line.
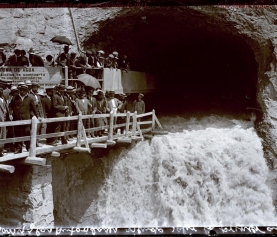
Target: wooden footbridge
(131,125)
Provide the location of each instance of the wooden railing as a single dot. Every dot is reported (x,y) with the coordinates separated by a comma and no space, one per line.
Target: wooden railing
(131,125)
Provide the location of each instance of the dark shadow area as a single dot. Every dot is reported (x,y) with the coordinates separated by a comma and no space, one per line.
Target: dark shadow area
(203,65)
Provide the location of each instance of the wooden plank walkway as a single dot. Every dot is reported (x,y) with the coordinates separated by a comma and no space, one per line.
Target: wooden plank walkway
(132,132)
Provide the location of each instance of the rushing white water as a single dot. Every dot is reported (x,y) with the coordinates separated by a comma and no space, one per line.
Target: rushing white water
(211,174)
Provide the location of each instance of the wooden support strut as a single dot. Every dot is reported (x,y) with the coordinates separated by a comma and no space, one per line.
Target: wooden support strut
(81,132)
(110,140)
(32,159)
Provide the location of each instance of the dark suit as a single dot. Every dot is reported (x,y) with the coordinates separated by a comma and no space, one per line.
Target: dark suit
(59,110)
(22,111)
(36,61)
(84,105)
(13,61)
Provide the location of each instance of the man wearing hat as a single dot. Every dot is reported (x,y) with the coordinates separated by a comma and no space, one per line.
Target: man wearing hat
(72,110)
(87,61)
(139,105)
(60,109)
(93,109)
(123,63)
(13,60)
(23,59)
(109,61)
(63,57)
(3,57)
(49,61)
(22,106)
(113,104)
(29,84)
(71,61)
(101,103)
(35,59)
(84,106)
(41,128)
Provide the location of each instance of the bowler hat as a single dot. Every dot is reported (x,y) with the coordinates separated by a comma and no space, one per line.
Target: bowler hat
(70,89)
(23,87)
(61,86)
(31,51)
(21,83)
(34,83)
(14,88)
(115,53)
(112,92)
(101,51)
(111,56)
(141,94)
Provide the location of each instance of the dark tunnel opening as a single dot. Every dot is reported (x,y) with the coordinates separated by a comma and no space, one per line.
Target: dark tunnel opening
(202,67)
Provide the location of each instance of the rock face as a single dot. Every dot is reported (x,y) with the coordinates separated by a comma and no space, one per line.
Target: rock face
(41,25)
(26,197)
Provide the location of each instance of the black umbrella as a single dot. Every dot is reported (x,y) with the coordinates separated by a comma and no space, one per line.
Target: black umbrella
(61,40)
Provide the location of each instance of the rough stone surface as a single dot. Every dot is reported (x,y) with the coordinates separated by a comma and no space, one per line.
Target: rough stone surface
(26,197)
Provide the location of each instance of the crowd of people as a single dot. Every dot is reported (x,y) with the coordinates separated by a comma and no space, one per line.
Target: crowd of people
(90,61)
(24,101)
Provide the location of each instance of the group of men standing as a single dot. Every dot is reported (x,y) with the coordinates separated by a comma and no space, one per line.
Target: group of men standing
(25,101)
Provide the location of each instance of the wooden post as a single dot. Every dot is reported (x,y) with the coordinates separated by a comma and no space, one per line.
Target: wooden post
(134,124)
(66,76)
(79,131)
(153,119)
(110,136)
(127,124)
(32,152)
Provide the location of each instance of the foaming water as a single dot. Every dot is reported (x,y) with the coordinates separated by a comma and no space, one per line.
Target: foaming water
(213,173)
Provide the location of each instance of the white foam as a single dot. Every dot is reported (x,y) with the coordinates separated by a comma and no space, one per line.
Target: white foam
(207,177)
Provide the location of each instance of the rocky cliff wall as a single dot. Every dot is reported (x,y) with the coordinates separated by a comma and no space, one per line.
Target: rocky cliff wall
(42,24)
(26,197)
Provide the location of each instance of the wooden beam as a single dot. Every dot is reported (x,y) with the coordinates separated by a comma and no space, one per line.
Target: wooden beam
(158,122)
(124,140)
(98,145)
(85,138)
(143,115)
(134,125)
(81,149)
(145,122)
(111,142)
(55,154)
(159,132)
(10,157)
(35,161)
(6,168)
(33,142)
(136,138)
(110,137)
(153,119)
(127,124)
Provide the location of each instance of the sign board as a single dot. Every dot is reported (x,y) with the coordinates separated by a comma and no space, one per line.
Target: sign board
(45,76)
